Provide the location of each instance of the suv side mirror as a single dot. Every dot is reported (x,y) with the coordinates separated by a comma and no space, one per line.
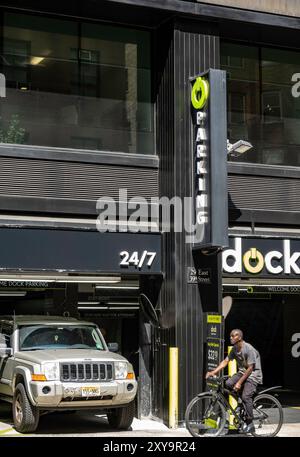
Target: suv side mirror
(113,347)
(6,352)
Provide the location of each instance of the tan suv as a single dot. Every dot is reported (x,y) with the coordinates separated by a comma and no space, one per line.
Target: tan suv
(56,363)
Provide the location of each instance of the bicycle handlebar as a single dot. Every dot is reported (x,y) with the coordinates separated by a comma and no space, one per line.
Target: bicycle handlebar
(218,379)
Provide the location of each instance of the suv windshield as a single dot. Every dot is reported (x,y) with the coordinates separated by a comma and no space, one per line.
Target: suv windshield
(35,337)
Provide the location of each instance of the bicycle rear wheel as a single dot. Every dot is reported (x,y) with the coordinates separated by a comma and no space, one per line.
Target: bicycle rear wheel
(267,415)
(205,416)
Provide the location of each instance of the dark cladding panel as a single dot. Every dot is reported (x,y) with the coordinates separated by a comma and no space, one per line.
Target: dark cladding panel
(165,146)
(218,158)
(190,58)
(196,54)
(191,51)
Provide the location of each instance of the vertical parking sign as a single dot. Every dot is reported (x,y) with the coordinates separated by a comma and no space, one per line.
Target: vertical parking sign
(209,118)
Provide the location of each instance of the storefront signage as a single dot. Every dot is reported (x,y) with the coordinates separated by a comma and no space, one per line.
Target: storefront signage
(214,319)
(213,359)
(214,324)
(199,276)
(79,251)
(199,98)
(137,259)
(262,257)
(208,109)
(261,289)
(213,354)
(214,344)
(28,284)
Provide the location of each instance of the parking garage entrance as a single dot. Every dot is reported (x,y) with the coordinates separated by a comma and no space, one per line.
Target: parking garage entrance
(270,322)
(114,307)
(83,274)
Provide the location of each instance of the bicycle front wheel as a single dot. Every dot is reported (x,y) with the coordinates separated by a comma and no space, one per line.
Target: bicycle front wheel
(267,415)
(205,416)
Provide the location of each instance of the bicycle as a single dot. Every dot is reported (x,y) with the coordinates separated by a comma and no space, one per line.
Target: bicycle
(207,413)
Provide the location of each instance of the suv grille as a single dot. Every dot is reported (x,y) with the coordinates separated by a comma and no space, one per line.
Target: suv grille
(86,372)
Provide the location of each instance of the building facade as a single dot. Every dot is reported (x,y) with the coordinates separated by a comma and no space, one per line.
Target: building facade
(95,104)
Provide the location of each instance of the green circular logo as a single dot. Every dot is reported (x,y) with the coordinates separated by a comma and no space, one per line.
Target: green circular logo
(200,92)
(253,261)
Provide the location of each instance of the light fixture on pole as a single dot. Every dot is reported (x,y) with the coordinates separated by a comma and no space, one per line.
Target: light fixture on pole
(238,148)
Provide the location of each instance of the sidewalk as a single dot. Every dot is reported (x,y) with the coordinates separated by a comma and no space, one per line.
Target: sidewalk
(92,425)
(290,428)
(291,422)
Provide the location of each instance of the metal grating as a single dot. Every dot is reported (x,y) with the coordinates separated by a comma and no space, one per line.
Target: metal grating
(73,180)
(71,372)
(264,193)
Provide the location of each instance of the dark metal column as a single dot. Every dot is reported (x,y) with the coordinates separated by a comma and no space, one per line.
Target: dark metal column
(188,50)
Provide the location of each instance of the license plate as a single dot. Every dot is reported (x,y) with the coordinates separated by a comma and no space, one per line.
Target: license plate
(90,391)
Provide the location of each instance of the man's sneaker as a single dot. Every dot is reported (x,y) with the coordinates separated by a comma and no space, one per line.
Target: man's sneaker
(248,428)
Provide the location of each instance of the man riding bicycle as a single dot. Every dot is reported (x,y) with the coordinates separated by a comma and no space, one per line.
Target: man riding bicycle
(249,373)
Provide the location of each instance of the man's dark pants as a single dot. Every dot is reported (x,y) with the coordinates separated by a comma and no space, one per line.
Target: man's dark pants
(248,391)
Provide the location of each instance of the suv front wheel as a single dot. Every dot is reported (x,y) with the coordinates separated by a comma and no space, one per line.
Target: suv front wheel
(121,418)
(25,415)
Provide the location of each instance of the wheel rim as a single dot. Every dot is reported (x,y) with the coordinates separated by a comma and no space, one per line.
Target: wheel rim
(267,416)
(205,417)
(18,409)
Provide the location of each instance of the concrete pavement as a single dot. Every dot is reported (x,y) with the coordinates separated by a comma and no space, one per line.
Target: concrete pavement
(93,425)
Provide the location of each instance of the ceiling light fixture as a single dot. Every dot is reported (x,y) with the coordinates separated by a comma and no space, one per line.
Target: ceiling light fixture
(63,279)
(92,307)
(35,60)
(124,307)
(13,293)
(118,287)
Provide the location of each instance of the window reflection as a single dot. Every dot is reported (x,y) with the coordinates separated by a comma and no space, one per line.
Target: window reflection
(76,85)
(261,106)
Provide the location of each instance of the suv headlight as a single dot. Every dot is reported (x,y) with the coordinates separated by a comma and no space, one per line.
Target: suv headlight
(51,371)
(121,370)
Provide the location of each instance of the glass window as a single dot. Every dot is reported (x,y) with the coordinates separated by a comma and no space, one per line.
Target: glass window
(263,102)
(38,337)
(5,336)
(76,85)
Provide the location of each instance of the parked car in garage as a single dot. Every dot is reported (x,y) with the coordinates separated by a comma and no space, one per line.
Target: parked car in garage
(60,363)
